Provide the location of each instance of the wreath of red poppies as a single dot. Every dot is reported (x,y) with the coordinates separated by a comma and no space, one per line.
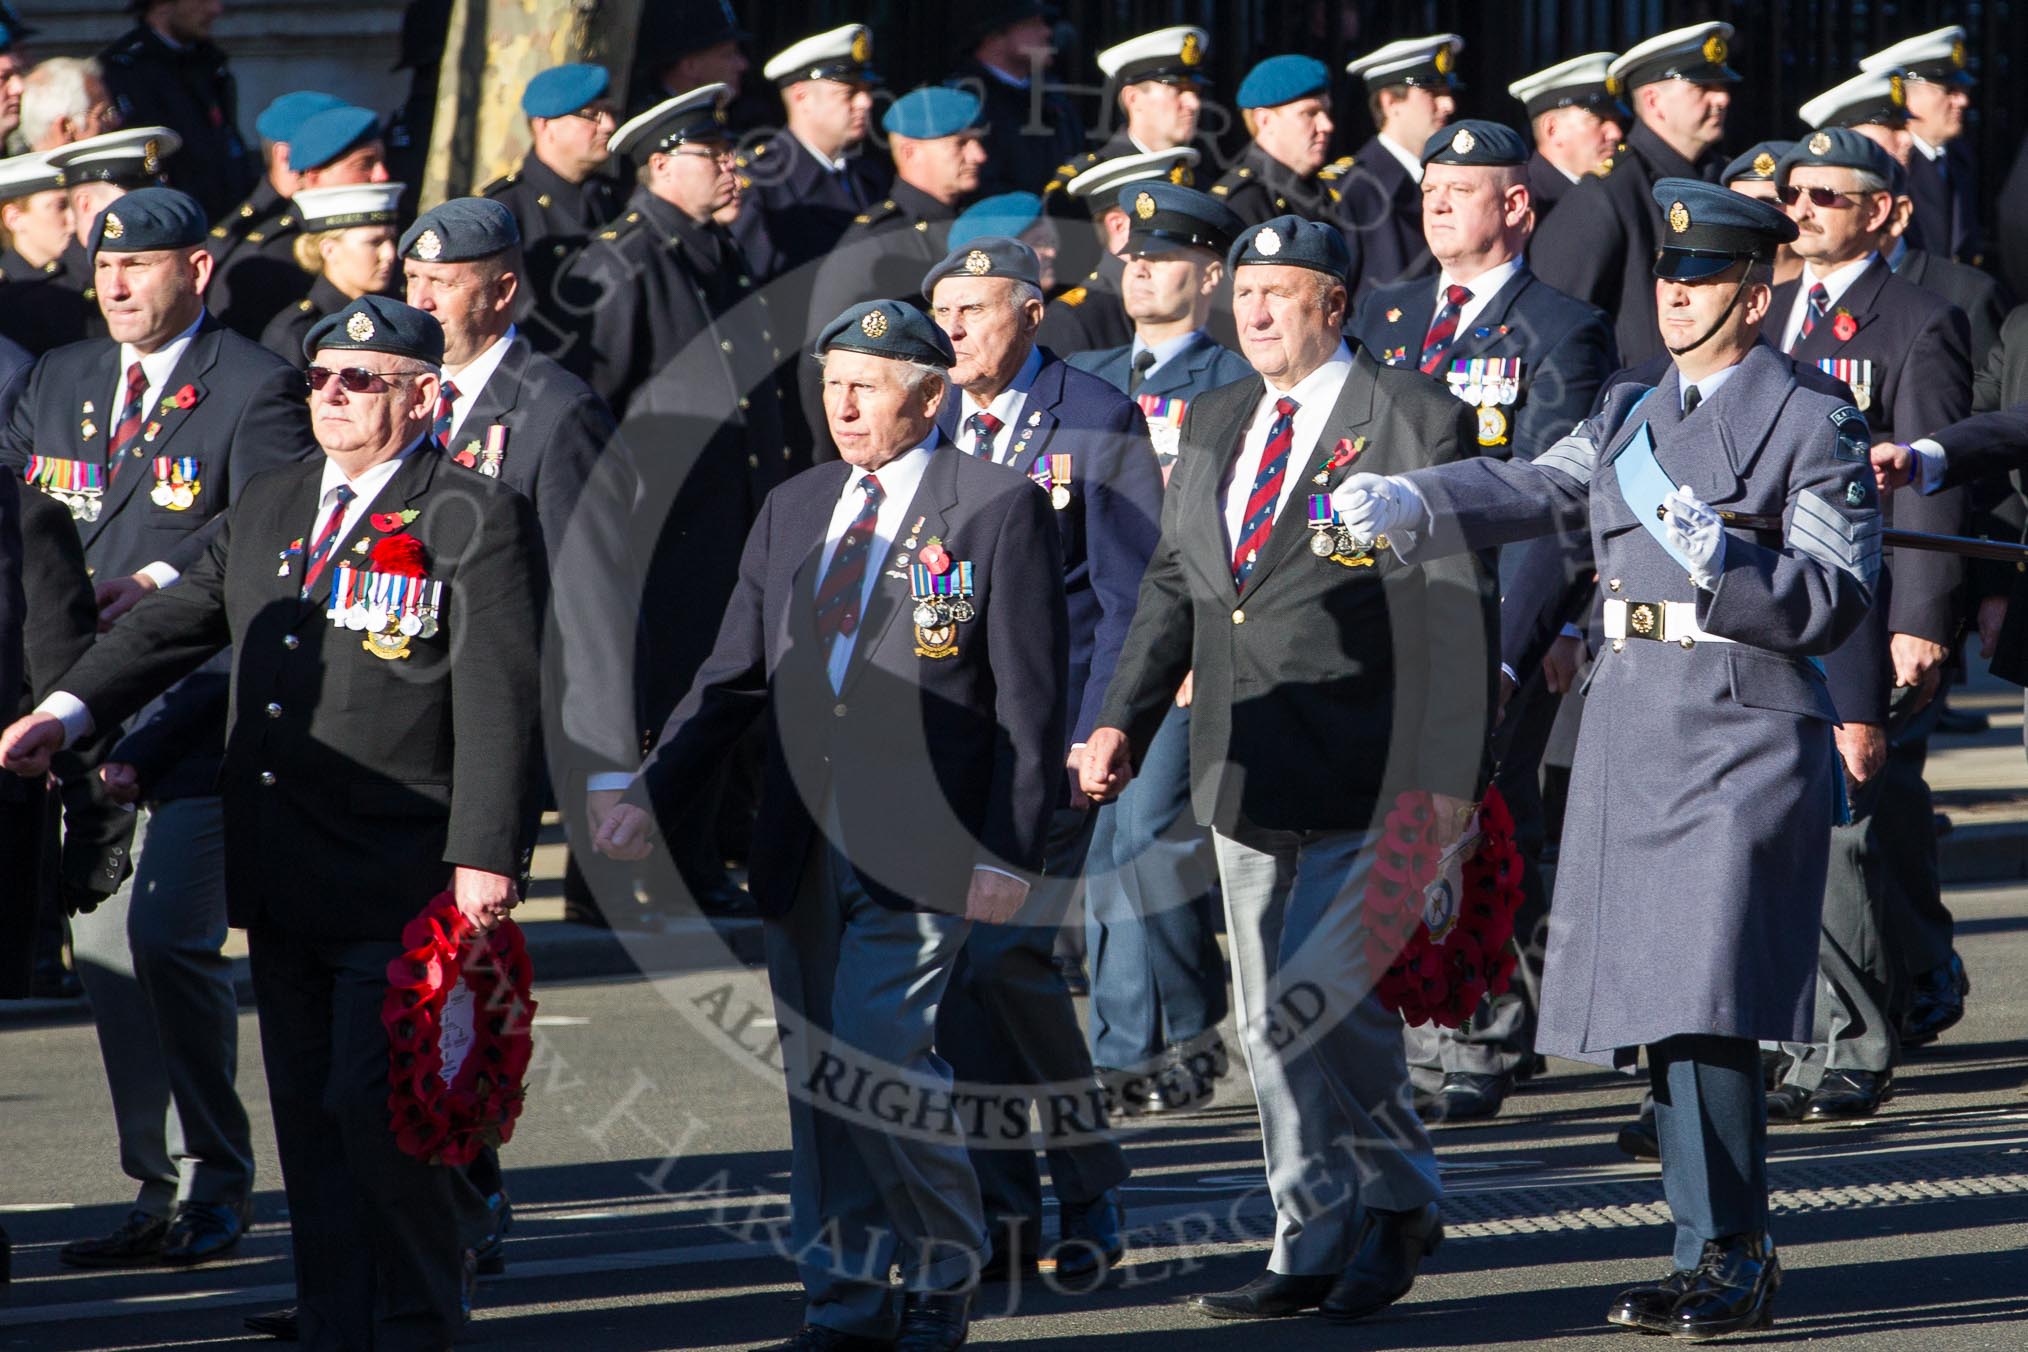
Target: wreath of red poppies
(1441,980)
(446,1122)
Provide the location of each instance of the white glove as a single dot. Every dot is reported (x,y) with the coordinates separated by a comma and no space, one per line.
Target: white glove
(1696,531)
(1373,505)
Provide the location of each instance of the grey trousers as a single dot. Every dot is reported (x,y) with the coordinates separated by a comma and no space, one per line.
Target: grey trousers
(1337,1127)
(1854,1028)
(882,1198)
(167,1017)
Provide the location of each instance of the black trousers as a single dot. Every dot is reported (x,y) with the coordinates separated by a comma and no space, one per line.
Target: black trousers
(378,1236)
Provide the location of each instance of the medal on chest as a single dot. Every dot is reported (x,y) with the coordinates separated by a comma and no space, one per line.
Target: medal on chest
(1052,474)
(1490,384)
(941,589)
(1330,539)
(79,485)
(1856,372)
(177,482)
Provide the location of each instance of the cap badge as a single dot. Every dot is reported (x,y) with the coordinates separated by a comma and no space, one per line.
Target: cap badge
(1443,60)
(1715,50)
(359,328)
(1464,141)
(1267,243)
(428,247)
(978,263)
(862,46)
(1679,218)
(873,323)
(1144,206)
(718,115)
(1764,165)
(1896,94)
(1820,144)
(151,151)
(1193,50)
(1958,53)
(113,227)
(1612,85)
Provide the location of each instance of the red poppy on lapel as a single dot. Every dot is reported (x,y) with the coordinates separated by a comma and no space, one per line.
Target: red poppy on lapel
(1843,326)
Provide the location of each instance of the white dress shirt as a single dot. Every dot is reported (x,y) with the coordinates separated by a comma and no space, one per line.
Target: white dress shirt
(1934,154)
(471,378)
(834,164)
(1315,395)
(1006,406)
(1836,284)
(155,369)
(1483,287)
(899,479)
(1408,159)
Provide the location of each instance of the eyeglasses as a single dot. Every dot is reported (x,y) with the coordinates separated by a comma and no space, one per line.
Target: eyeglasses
(1822,198)
(725,156)
(595,114)
(355,379)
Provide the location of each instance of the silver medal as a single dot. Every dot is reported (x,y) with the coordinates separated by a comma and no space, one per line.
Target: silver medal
(961,611)
(1322,545)
(411,624)
(925,615)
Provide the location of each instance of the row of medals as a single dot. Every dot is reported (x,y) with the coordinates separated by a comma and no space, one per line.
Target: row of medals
(84,505)
(932,611)
(1327,541)
(420,622)
(178,497)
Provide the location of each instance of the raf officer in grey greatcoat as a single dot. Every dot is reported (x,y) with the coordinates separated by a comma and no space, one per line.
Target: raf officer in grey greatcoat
(1702,799)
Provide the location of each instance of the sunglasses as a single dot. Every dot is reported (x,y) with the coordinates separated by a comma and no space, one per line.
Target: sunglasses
(355,379)
(596,113)
(1822,198)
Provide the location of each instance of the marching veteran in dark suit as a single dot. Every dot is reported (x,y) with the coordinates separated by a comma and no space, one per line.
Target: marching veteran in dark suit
(253,246)
(1326,681)
(915,719)
(1576,116)
(1712,631)
(1408,90)
(1603,246)
(1285,102)
(369,766)
(1007,1018)
(1157,976)
(148,438)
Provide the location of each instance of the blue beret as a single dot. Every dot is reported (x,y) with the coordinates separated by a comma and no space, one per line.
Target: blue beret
(1756,165)
(888,328)
(1283,79)
(378,324)
(562,90)
(987,256)
(1476,143)
(1293,242)
(1836,148)
(461,230)
(1707,228)
(149,218)
(1161,213)
(12,30)
(280,120)
(1007,214)
(932,111)
(323,137)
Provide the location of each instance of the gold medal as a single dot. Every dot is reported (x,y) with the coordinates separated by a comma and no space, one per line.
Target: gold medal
(1492,426)
(181,497)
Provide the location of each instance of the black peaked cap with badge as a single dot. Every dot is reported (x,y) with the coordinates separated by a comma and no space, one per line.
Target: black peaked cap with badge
(698,115)
(1476,144)
(888,328)
(147,219)
(1836,148)
(1165,216)
(987,256)
(1756,165)
(379,324)
(1707,228)
(460,230)
(1292,241)
(1697,53)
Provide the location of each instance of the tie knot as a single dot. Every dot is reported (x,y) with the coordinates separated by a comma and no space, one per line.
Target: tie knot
(1144,360)
(1286,407)
(874,492)
(1456,295)
(344,493)
(137,380)
(450,391)
(1819,297)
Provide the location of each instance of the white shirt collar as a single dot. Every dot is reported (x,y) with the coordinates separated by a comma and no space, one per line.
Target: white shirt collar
(1929,152)
(836,164)
(1408,158)
(1135,142)
(899,477)
(1006,405)
(1483,287)
(1835,285)
(155,366)
(1012,81)
(1331,375)
(471,378)
(369,482)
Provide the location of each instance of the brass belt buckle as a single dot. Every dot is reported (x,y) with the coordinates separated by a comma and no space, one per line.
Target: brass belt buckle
(1644,620)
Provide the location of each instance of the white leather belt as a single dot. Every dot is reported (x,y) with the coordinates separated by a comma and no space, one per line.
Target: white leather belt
(1660,621)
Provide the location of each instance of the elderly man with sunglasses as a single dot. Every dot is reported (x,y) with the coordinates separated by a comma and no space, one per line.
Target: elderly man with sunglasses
(384,605)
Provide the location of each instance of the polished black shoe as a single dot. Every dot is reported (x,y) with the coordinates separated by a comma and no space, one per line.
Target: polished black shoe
(279,1324)
(1648,1306)
(1787,1103)
(1846,1095)
(1774,1062)
(722,898)
(491,1254)
(1268,1296)
(934,1321)
(1937,1003)
(1732,1289)
(1638,1138)
(817,1338)
(1093,1242)
(137,1243)
(1384,1268)
(200,1232)
(1466,1097)
(1071,969)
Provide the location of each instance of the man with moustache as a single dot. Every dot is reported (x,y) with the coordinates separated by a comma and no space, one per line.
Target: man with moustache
(1577,119)
(1285,102)
(1408,92)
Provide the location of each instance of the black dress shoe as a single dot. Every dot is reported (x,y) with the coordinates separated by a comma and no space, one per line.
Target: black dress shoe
(1384,1268)
(275,1323)
(817,1338)
(934,1321)
(137,1243)
(1093,1239)
(720,897)
(1638,1138)
(1647,1306)
(1773,1061)
(1846,1095)
(1787,1103)
(1268,1296)
(200,1232)
(1937,1003)
(1466,1097)
(1071,969)
(1732,1289)
(490,1257)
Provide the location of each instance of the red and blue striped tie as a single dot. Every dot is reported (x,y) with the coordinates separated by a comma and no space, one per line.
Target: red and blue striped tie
(1443,328)
(838,598)
(1820,305)
(1267,492)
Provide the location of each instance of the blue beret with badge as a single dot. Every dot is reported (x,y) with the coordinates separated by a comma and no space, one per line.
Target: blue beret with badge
(330,135)
(1836,148)
(1476,144)
(378,324)
(1756,165)
(931,112)
(989,256)
(1008,213)
(147,219)
(1291,241)
(280,120)
(461,230)
(888,328)
(1163,217)
(1707,228)
(1283,79)
(562,90)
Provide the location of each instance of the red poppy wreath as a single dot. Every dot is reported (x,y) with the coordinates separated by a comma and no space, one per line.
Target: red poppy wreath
(459,1016)
(1442,945)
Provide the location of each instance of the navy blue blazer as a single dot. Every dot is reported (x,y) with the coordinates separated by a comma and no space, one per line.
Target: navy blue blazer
(1380,212)
(1109,524)
(1565,348)
(926,766)
(1200,367)
(1946,202)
